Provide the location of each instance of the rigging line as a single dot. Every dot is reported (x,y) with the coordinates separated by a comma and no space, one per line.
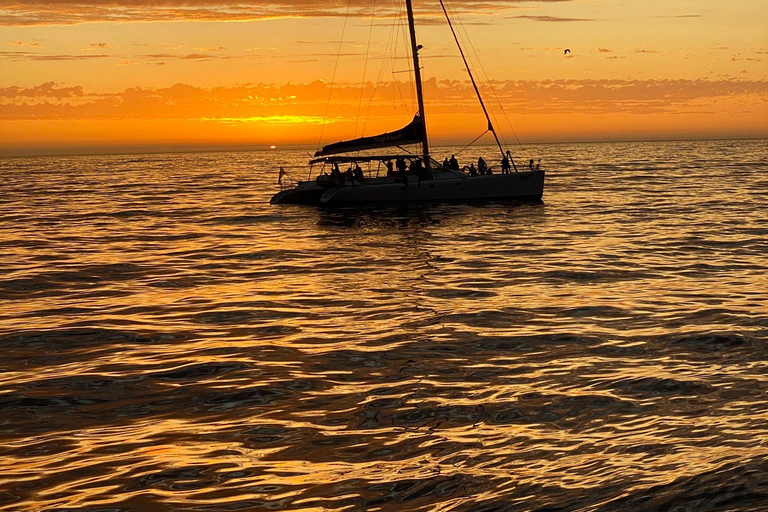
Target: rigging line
(365,67)
(455,14)
(405,107)
(384,62)
(398,107)
(498,100)
(470,144)
(472,78)
(472,46)
(395,85)
(468,40)
(490,85)
(409,54)
(333,79)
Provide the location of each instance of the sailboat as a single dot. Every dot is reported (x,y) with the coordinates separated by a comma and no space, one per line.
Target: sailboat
(409,177)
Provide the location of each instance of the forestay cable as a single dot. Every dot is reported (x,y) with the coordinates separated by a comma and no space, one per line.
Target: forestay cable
(333,79)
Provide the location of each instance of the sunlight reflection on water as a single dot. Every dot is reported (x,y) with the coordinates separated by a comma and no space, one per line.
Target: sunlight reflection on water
(169,340)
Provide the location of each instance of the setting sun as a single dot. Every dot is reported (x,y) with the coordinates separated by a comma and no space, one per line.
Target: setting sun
(104,73)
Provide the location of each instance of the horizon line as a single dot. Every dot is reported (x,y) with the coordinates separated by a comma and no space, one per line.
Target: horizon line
(186,148)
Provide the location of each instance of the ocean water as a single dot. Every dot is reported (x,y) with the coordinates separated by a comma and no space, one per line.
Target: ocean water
(170,341)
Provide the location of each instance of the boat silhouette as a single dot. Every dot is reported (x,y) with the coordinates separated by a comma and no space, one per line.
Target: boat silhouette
(409,177)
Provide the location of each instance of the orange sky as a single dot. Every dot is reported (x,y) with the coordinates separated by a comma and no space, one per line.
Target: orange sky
(108,72)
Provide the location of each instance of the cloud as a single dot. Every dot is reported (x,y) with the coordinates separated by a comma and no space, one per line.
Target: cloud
(738,57)
(450,97)
(647,51)
(545,49)
(14,43)
(67,12)
(51,57)
(46,90)
(209,49)
(187,56)
(604,50)
(126,63)
(548,18)
(99,45)
(681,16)
(26,55)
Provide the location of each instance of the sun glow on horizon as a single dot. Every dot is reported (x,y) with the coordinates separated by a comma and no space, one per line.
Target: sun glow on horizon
(78,75)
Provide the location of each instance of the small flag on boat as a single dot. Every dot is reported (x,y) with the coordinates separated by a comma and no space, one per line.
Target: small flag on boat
(280,178)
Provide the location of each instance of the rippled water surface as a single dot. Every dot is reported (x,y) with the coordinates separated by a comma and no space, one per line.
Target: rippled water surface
(169,341)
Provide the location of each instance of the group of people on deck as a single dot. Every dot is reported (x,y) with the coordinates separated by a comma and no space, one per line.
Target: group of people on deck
(400,167)
(351,174)
(482,167)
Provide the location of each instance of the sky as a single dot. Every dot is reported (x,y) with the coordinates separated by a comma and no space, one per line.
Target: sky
(117,73)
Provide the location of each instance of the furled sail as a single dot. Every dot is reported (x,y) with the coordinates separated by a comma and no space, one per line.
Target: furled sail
(411,134)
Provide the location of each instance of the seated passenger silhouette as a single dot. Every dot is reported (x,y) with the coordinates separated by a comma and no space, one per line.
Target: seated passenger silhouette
(454,163)
(336,174)
(505,167)
(482,167)
(401,166)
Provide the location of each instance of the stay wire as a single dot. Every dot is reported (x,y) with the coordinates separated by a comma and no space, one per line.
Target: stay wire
(490,85)
(408,53)
(471,143)
(333,78)
(468,42)
(501,106)
(365,68)
(386,60)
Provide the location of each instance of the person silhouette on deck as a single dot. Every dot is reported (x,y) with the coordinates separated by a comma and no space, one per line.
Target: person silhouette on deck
(446,163)
(359,176)
(482,167)
(336,174)
(454,163)
(472,171)
(505,167)
(530,164)
(400,166)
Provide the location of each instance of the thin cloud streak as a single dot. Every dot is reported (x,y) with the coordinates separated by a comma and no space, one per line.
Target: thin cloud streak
(545,97)
(548,19)
(63,12)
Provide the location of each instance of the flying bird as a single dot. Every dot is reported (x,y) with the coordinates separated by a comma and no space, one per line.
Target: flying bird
(567,51)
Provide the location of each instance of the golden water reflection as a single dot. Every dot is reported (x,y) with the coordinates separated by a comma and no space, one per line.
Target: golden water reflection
(170,341)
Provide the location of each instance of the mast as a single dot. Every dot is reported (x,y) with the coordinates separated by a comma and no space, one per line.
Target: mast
(417,76)
(472,78)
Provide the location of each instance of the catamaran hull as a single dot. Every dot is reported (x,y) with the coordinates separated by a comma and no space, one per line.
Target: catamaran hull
(525,186)
(304,193)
